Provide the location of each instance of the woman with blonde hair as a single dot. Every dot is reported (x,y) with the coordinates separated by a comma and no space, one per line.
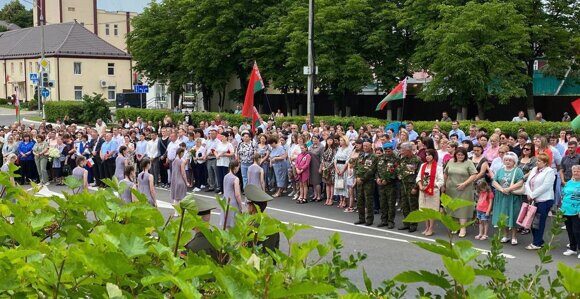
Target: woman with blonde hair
(506,180)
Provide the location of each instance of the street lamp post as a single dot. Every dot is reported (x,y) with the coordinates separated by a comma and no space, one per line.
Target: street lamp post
(311,64)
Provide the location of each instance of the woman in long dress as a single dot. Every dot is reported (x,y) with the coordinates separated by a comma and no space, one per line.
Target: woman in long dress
(129,182)
(81,174)
(264,162)
(233,195)
(179,182)
(303,173)
(507,179)
(256,173)
(327,169)
(145,182)
(341,167)
(315,151)
(460,173)
(121,162)
(430,180)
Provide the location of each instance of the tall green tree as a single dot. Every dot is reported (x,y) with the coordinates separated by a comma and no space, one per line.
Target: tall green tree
(212,30)
(15,13)
(475,52)
(554,30)
(157,47)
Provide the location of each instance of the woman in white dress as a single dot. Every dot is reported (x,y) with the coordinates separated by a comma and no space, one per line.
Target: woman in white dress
(341,175)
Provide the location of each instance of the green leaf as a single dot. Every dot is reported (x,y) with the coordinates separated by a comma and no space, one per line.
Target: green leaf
(465,251)
(132,245)
(570,277)
(114,291)
(422,215)
(524,295)
(480,292)
(302,289)
(491,273)
(367,281)
(437,248)
(423,276)
(72,183)
(463,274)
(459,203)
(450,223)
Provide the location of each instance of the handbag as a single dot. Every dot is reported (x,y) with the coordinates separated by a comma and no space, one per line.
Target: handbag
(526,216)
(521,190)
(339,183)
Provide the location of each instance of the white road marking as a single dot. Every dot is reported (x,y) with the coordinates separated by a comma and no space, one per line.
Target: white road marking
(166,205)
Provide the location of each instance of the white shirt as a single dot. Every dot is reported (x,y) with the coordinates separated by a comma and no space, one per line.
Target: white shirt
(540,186)
(101,128)
(172,149)
(351,135)
(211,145)
(221,149)
(153,148)
(120,140)
(517,118)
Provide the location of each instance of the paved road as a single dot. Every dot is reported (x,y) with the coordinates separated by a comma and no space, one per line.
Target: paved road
(8,116)
(389,251)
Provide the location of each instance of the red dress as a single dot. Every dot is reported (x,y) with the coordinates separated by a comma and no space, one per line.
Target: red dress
(303,166)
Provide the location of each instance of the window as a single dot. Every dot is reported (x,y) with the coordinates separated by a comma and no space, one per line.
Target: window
(77,68)
(111,93)
(12,67)
(30,66)
(78,92)
(22,67)
(116,30)
(111,69)
(106,29)
(71,9)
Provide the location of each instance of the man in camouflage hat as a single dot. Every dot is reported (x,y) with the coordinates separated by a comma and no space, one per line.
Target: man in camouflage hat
(407,171)
(365,168)
(203,206)
(386,179)
(257,199)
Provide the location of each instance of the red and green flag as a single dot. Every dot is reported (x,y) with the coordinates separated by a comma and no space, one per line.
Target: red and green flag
(398,93)
(256,84)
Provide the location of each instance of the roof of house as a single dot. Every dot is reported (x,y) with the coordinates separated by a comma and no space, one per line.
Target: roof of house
(60,40)
(9,26)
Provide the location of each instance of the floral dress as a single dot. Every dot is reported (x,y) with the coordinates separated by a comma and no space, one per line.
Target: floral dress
(328,166)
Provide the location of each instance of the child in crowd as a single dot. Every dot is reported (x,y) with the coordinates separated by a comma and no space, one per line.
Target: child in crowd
(484,204)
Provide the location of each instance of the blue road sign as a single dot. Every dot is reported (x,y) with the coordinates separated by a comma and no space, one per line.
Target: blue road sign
(33,76)
(141,88)
(45,92)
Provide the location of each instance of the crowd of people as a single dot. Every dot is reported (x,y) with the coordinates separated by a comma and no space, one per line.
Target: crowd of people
(368,170)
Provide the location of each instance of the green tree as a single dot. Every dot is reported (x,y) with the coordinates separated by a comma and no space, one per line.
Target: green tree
(475,52)
(157,46)
(554,27)
(14,12)
(3,28)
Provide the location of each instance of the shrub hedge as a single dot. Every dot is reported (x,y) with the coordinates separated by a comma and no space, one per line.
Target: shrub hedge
(58,110)
(505,126)
(3,102)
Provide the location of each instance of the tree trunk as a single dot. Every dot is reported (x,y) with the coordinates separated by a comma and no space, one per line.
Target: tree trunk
(206,94)
(530,90)
(481,110)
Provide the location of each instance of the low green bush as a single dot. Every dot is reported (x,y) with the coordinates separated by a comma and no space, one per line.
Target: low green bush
(531,127)
(3,102)
(58,110)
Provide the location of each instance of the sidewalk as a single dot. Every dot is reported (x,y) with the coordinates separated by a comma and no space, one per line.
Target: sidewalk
(9,112)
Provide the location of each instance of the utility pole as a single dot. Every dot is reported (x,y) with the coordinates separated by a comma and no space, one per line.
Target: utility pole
(39,96)
(311,64)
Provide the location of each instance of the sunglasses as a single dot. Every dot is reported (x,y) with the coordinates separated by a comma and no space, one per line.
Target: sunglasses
(527,149)
(502,152)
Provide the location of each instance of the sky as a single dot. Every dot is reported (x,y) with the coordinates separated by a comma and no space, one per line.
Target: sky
(110,5)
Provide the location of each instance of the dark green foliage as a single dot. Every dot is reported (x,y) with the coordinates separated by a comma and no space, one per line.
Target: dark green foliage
(14,12)
(86,111)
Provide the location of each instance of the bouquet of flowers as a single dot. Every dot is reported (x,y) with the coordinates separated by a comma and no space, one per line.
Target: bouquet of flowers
(53,153)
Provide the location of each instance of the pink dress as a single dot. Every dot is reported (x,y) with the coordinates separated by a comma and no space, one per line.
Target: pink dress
(303,163)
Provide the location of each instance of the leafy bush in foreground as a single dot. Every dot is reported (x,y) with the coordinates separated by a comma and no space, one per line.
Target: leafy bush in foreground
(94,246)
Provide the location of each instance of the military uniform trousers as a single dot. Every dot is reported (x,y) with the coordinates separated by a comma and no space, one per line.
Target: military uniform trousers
(365,196)
(388,199)
(409,201)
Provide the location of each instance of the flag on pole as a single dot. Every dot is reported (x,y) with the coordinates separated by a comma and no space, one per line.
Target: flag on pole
(255,119)
(398,93)
(576,105)
(17,104)
(256,84)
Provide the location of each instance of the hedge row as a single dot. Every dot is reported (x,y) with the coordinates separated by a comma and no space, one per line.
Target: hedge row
(235,119)
(58,110)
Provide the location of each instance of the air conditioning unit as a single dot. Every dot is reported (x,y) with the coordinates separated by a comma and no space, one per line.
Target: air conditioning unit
(103,83)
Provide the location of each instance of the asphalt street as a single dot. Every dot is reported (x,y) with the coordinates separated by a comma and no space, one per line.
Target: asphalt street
(389,251)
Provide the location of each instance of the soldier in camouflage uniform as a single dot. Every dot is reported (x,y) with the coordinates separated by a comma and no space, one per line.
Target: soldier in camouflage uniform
(386,179)
(407,171)
(365,168)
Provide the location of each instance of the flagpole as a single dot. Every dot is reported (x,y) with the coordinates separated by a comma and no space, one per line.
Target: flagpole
(404,97)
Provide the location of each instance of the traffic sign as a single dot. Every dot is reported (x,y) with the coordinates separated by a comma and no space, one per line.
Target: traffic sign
(141,88)
(43,63)
(33,77)
(45,93)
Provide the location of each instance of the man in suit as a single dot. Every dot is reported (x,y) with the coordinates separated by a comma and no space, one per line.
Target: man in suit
(94,147)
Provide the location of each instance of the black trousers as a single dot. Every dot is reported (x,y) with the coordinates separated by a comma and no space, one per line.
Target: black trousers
(98,170)
(199,174)
(27,171)
(108,168)
(573,230)
(163,172)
